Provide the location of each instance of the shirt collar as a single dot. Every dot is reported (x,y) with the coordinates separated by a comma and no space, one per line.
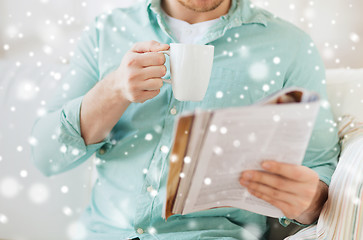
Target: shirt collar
(241,12)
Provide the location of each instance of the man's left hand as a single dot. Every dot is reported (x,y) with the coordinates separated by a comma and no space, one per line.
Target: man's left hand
(296,190)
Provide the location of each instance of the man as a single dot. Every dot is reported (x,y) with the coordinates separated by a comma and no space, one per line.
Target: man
(115,105)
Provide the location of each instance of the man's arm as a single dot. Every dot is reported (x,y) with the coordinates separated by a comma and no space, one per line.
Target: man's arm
(60,146)
(301,191)
(80,116)
(136,80)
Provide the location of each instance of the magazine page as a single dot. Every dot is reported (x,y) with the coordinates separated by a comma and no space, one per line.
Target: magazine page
(197,132)
(289,95)
(183,125)
(240,139)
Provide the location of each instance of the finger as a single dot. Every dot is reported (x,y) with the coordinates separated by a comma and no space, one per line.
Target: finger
(270,191)
(153,72)
(151,59)
(283,206)
(272,180)
(150,46)
(152,84)
(290,171)
(149,95)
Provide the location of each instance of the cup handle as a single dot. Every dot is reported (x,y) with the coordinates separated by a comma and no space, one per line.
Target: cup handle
(167,53)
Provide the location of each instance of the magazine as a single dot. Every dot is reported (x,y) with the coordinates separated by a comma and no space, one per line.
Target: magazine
(212,148)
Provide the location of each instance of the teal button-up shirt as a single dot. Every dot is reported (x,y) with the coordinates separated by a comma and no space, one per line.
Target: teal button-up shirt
(256,54)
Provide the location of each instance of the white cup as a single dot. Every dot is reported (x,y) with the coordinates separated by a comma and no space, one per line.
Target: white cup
(190,70)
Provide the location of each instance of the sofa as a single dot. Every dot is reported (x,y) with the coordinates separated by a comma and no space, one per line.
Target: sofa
(35,207)
(342,215)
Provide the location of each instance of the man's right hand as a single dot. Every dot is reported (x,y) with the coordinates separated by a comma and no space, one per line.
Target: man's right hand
(139,76)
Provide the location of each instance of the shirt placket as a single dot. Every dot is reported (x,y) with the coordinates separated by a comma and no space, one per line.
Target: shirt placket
(156,170)
(145,199)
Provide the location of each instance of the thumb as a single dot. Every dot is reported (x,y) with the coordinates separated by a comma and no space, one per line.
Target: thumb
(150,46)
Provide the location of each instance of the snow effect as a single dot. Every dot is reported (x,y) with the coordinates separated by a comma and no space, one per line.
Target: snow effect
(76,231)
(244,52)
(6,47)
(219,94)
(354,37)
(23,173)
(174,158)
(236,143)
(3,219)
(259,71)
(151,230)
(15,33)
(9,187)
(265,87)
(32,141)
(67,211)
(192,224)
(213,128)
(164,149)
(223,130)
(187,159)
(207,181)
(252,137)
(153,193)
(38,193)
(41,112)
(276,118)
(64,189)
(63,149)
(276,60)
(218,150)
(148,137)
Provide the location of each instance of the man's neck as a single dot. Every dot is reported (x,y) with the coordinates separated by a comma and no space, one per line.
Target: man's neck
(176,10)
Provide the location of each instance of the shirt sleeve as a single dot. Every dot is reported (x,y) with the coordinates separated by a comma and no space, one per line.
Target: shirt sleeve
(60,146)
(307,70)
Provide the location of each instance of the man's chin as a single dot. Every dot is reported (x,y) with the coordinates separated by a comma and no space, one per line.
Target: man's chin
(201,5)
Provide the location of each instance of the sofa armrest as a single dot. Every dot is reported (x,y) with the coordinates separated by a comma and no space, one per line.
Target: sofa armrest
(342,215)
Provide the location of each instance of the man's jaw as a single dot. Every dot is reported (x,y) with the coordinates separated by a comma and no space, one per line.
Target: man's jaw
(201,5)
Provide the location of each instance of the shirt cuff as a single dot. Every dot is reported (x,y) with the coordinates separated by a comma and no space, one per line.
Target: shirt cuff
(69,133)
(284,221)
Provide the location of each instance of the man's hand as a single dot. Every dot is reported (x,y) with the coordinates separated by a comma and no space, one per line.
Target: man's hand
(138,77)
(296,190)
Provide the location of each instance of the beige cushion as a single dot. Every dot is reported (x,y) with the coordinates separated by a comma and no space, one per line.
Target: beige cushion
(345,92)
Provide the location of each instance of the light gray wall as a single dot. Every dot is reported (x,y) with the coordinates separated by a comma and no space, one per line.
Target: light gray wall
(330,23)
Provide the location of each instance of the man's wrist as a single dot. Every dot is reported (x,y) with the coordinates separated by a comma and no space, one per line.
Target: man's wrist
(115,92)
(312,213)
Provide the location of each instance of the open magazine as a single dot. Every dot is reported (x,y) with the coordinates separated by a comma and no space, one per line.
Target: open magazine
(212,148)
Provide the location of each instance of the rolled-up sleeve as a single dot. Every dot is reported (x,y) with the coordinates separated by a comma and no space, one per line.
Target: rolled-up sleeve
(60,146)
(70,132)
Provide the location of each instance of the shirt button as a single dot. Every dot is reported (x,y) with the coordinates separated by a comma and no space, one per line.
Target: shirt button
(140,231)
(149,188)
(102,151)
(173,111)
